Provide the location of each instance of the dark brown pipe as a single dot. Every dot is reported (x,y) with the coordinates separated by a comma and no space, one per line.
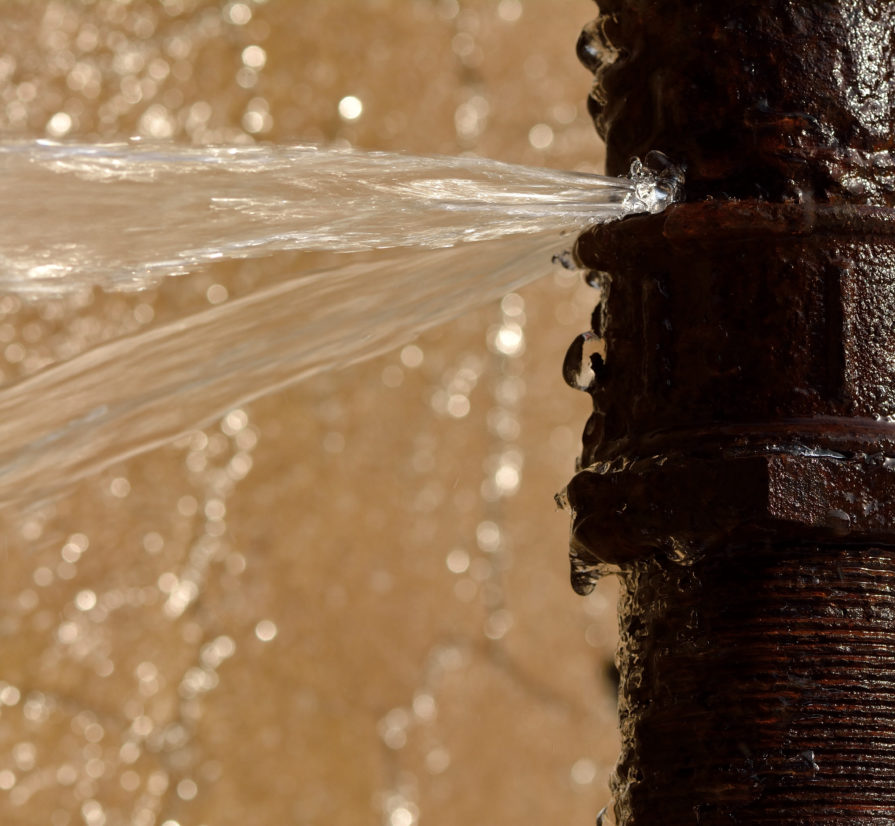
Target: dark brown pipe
(739,465)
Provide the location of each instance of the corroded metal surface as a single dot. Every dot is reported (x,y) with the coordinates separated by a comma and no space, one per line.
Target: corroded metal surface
(761,99)
(739,465)
(749,351)
(767,694)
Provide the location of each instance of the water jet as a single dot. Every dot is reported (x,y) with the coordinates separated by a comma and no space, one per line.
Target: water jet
(322,607)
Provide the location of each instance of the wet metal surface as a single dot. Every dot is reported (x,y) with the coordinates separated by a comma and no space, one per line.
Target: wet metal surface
(739,463)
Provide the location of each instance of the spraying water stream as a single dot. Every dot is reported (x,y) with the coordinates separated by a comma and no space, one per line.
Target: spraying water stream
(419,241)
(124,215)
(345,603)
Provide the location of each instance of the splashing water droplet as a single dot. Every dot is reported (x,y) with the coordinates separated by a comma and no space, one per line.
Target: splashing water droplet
(657,183)
(583,364)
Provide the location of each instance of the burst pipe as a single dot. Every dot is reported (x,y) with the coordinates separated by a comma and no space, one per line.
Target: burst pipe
(739,465)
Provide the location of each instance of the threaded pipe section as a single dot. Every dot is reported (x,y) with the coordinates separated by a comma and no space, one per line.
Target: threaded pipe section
(758,687)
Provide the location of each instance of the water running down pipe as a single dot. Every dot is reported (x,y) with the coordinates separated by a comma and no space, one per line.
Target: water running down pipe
(738,465)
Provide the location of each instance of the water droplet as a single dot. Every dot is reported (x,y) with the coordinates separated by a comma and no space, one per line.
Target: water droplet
(424,706)
(488,537)
(509,339)
(598,279)
(584,577)
(808,757)
(457,561)
(566,260)
(9,694)
(583,772)
(402,816)
(217,293)
(838,521)
(597,97)
(594,107)
(85,600)
(238,13)
(266,630)
(606,817)
(350,107)
(583,364)
(509,10)
(437,760)
(393,728)
(24,755)
(254,56)
(7,780)
(411,356)
(120,487)
(187,789)
(498,624)
(597,319)
(540,136)
(59,125)
(682,554)
(593,48)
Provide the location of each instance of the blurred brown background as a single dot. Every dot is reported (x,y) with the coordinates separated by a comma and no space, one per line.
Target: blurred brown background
(347,603)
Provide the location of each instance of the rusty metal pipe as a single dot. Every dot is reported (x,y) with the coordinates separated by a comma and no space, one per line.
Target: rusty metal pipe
(739,465)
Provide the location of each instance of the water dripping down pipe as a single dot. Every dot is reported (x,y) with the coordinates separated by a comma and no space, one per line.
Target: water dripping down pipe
(738,469)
